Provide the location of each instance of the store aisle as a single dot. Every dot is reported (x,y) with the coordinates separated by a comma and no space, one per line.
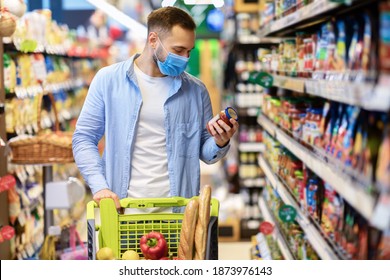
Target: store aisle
(234,250)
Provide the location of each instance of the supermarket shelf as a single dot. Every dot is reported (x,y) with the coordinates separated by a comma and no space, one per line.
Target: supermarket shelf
(251,147)
(367,95)
(268,216)
(314,236)
(340,181)
(31,91)
(256,40)
(252,183)
(9,47)
(314,9)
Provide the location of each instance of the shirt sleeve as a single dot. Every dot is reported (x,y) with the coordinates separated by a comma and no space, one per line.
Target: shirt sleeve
(89,130)
(210,153)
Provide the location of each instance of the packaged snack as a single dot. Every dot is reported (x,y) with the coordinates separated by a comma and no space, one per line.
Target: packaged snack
(355,49)
(310,55)
(340,58)
(315,131)
(311,197)
(332,211)
(384,37)
(382,174)
(319,141)
(329,60)
(9,73)
(300,49)
(353,113)
(321,52)
(368,62)
(384,246)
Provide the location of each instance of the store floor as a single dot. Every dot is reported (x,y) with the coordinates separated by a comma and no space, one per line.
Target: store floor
(234,250)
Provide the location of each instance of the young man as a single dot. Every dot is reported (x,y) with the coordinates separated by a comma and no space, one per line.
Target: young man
(153,116)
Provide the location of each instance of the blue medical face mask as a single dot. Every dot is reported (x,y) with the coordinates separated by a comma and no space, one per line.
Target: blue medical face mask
(173,65)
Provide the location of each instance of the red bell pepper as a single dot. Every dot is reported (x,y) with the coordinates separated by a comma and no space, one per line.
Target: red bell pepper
(153,246)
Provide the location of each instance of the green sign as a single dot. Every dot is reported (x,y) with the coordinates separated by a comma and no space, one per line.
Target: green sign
(199,13)
(287,213)
(261,78)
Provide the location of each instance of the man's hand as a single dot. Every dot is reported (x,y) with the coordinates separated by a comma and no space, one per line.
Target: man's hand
(106,193)
(222,132)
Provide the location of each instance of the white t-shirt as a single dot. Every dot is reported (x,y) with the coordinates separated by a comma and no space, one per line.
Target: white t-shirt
(149,162)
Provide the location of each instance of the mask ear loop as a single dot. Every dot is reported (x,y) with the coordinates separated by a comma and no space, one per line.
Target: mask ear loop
(155,54)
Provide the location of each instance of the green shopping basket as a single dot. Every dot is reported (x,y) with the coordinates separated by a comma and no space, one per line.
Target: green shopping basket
(122,232)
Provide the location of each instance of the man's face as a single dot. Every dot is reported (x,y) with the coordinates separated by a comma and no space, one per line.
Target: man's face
(180,41)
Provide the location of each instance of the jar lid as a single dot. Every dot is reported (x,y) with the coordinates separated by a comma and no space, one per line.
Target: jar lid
(231,113)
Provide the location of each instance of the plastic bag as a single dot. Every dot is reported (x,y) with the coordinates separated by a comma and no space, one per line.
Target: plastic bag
(74,252)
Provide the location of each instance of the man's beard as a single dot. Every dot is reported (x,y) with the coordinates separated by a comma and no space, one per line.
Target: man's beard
(157,55)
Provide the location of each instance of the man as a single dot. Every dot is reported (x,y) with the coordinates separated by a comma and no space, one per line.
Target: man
(153,116)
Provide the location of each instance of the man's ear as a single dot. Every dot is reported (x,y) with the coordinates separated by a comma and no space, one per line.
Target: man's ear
(153,39)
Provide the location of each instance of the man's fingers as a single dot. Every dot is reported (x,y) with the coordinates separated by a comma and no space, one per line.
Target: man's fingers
(107,194)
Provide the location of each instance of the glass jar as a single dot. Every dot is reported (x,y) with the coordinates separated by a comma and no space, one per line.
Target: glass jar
(225,115)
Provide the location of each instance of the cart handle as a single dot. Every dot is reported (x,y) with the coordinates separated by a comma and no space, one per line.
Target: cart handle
(152,202)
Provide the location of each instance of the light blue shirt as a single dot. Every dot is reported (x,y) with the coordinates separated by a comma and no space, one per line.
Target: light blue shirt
(112,108)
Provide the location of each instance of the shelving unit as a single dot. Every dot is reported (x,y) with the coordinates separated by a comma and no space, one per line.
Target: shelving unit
(254,147)
(324,247)
(268,216)
(367,95)
(343,183)
(314,9)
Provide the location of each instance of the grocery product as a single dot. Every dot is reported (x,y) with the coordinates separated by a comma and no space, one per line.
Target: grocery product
(153,245)
(105,253)
(187,233)
(384,37)
(225,115)
(202,223)
(130,255)
(332,211)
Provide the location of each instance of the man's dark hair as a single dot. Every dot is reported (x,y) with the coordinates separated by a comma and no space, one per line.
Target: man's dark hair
(164,19)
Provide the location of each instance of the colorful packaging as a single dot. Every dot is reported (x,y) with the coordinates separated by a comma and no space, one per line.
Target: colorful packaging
(332,211)
(340,59)
(352,113)
(384,36)
(9,73)
(382,174)
(384,246)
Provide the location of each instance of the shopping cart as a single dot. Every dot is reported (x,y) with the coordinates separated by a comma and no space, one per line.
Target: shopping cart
(122,232)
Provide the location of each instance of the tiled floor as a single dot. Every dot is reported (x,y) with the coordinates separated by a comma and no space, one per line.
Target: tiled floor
(234,250)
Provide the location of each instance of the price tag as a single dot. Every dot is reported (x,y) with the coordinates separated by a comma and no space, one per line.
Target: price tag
(287,213)
(266,228)
(318,7)
(381,215)
(7,182)
(7,232)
